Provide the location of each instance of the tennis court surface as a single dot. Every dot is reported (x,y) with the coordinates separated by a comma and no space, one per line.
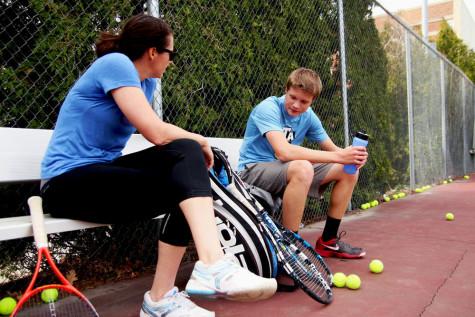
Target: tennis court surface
(428,265)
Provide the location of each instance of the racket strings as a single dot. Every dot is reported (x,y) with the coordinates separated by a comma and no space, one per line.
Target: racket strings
(66,304)
(311,255)
(300,268)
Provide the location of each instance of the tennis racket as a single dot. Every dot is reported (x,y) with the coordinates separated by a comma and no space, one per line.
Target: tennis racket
(297,257)
(69,302)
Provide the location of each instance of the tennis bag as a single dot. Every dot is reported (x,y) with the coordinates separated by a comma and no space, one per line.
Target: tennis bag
(286,251)
(238,232)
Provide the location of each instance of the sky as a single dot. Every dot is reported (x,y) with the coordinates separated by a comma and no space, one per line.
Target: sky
(396,5)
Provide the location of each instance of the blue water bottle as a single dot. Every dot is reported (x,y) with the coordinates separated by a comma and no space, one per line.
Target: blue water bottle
(360,139)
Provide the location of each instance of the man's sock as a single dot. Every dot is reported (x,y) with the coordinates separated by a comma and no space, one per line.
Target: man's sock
(331,228)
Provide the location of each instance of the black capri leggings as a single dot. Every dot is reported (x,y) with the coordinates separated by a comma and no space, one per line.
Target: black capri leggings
(136,186)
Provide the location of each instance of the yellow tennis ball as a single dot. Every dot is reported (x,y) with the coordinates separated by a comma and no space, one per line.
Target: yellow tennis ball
(395,196)
(339,279)
(418,190)
(49,295)
(353,281)
(402,195)
(466,177)
(376,266)
(7,305)
(449,216)
(363,206)
(387,198)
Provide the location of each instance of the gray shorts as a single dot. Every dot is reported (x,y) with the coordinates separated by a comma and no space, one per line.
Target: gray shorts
(272,177)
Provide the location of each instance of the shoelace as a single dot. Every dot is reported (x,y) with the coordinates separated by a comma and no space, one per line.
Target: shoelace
(343,245)
(183,299)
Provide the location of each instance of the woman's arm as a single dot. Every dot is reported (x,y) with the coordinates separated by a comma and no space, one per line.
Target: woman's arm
(134,105)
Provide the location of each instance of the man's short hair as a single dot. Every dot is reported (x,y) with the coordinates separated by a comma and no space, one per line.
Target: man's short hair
(305,79)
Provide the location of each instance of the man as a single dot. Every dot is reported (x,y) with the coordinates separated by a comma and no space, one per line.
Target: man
(273,159)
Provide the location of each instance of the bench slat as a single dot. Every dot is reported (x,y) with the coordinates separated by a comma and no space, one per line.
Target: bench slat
(20,227)
(21,152)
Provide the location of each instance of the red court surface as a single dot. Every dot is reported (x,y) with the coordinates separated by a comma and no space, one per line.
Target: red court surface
(429,265)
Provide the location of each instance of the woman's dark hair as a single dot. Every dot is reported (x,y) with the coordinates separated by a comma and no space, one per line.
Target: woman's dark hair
(140,33)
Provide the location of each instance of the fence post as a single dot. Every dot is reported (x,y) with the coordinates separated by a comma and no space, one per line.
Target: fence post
(410,112)
(464,134)
(444,115)
(153,9)
(344,92)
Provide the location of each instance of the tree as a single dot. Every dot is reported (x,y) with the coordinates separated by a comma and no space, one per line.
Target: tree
(456,51)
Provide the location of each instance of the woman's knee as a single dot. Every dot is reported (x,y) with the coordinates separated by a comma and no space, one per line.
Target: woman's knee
(189,149)
(184,145)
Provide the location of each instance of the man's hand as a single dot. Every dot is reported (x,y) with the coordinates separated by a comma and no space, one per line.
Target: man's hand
(353,155)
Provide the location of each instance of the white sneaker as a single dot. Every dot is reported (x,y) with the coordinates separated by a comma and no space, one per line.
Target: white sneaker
(173,304)
(227,279)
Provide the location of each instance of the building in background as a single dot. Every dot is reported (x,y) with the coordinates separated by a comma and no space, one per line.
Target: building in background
(459,14)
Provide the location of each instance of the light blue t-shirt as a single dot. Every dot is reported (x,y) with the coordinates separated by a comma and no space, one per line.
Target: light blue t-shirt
(270,115)
(90,127)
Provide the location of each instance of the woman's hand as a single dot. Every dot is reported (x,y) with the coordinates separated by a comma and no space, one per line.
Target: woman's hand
(207,152)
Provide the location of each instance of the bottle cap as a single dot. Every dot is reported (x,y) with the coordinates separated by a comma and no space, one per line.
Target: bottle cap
(361,135)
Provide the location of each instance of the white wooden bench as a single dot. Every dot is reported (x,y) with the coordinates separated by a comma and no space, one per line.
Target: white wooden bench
(21,152)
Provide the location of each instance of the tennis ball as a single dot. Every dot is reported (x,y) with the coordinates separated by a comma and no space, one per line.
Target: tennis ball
(49,295)
(376,266)
(444,182)
(387,198)
(353,281)
(364,207)
(339,279)
(418,190)
(402,195)
(395,196)
(7,305)
(373,203)
(450,180)
(449,216)
(466,177)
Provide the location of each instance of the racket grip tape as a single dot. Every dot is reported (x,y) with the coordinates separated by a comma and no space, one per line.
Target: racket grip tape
(37,219)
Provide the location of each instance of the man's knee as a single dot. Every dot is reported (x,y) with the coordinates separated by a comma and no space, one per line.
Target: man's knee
(300,171)
(349,178)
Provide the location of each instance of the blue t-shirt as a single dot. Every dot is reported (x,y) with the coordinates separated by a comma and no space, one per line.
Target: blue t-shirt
(91,128)
(270,115)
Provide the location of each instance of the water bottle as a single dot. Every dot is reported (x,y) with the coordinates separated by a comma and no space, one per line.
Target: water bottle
(360,139)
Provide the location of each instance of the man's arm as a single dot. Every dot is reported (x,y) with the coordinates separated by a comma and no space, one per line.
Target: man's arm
(331,153)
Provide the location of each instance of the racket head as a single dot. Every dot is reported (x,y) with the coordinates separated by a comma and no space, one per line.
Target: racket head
(299,267)
(305,247)
(300,261)
(69,302)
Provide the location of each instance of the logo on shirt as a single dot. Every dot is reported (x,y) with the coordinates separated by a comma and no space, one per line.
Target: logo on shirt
(289,134)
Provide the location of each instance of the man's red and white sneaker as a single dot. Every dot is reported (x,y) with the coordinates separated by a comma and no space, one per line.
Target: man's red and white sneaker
(337,248)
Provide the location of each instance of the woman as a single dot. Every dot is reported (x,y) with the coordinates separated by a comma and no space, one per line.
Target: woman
(85,177)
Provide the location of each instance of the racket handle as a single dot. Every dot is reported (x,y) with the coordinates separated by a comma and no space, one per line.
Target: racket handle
(37,219)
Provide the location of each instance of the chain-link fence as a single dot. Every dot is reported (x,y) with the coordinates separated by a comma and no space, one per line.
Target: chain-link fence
(382,78)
